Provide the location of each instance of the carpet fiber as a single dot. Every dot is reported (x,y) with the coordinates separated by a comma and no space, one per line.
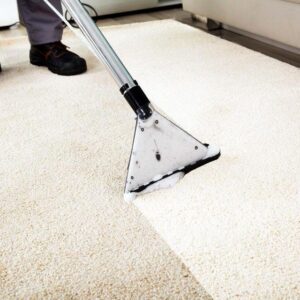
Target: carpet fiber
(64,228)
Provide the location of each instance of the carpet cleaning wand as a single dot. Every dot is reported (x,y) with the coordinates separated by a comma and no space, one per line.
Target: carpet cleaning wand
(162,153)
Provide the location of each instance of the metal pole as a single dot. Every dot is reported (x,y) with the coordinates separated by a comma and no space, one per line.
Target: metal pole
(99,43)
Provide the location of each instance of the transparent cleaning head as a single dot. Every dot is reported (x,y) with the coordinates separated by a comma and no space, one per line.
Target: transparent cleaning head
(162,153)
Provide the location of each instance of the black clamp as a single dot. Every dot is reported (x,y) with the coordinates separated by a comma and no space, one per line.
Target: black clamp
(137,99)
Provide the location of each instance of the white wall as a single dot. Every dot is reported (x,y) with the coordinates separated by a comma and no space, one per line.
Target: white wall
(8,12)
(104,7)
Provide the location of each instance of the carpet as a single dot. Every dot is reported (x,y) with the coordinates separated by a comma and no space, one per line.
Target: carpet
(230,229)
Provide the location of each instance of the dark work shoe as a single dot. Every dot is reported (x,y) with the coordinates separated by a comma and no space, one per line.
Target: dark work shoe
(57,58)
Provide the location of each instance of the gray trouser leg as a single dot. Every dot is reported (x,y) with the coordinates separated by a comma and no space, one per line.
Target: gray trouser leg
(42,25)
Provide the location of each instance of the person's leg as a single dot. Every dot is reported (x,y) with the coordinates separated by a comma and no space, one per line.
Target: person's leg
(45,30)
(42,24)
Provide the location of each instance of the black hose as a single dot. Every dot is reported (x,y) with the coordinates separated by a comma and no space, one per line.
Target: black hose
(89,9)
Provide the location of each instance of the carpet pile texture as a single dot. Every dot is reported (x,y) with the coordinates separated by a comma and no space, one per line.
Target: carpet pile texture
(230,229)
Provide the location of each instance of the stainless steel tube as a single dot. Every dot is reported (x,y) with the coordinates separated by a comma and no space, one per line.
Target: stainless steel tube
(99,43)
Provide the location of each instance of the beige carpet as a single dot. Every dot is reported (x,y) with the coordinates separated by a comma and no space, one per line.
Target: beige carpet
(64,229)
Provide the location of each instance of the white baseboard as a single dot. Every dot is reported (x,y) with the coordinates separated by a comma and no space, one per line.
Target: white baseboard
(263,39)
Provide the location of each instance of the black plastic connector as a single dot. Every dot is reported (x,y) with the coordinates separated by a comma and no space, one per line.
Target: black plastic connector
(138,101)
